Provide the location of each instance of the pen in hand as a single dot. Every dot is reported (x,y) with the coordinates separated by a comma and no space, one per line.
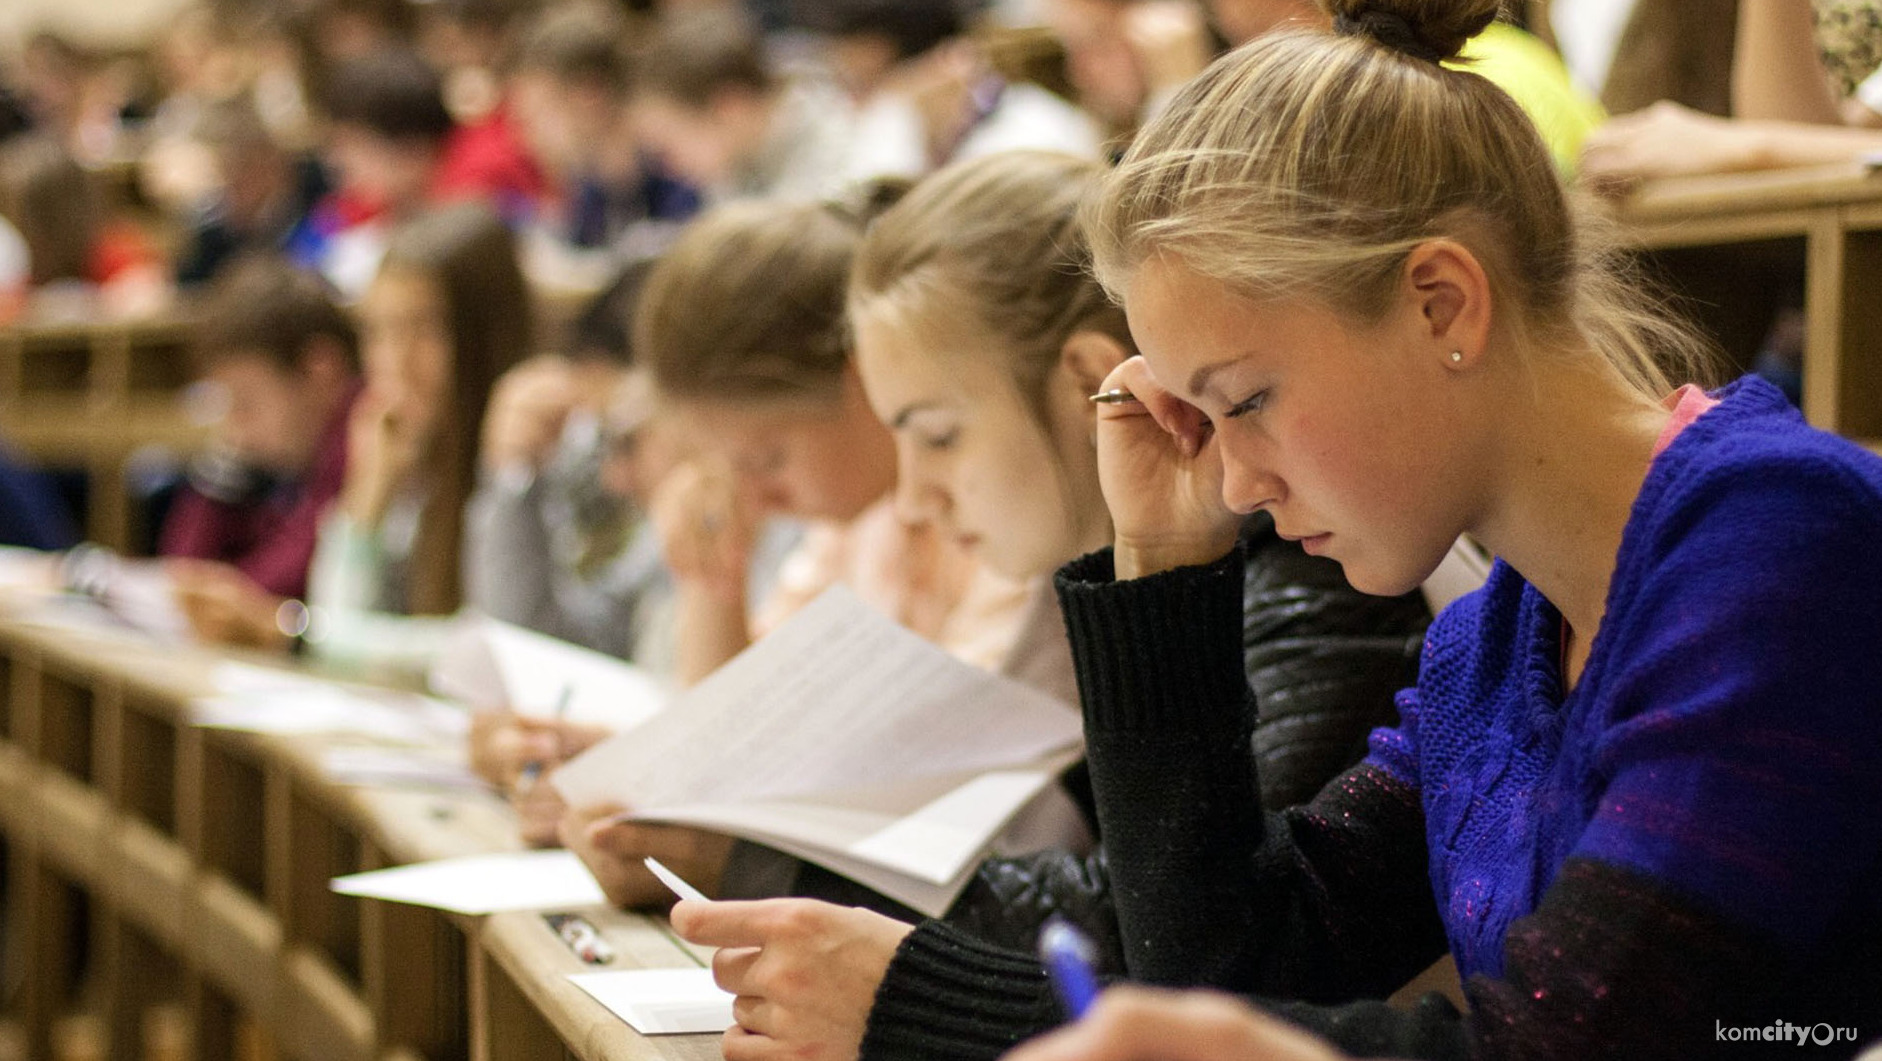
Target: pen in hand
(1069,958)
(532,770)
(674,882)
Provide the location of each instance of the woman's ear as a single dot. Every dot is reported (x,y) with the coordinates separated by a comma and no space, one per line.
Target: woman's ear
(1089,356)
(1452,294)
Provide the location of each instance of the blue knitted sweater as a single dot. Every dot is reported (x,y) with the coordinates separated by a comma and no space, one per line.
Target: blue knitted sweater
(1725,739)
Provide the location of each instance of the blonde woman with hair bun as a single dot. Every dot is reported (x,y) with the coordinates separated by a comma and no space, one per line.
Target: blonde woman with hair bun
(1632,792)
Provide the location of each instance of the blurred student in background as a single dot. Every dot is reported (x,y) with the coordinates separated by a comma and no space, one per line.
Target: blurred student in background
(1513,60)
(1806,90)
(558,539)
(928,95)
(1127,58)
(73,243)
(569,90)
(446,315)
(394,150)
(258,193)
(708,103)
(283,359)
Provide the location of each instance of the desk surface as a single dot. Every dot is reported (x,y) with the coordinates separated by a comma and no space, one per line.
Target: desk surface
(1741,206)
(282,946)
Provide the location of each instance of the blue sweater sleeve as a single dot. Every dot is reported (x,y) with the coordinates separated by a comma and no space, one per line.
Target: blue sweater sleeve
(1740,734)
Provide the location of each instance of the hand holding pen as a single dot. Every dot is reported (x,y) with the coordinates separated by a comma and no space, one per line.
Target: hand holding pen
(1136,1024)
(1140,1024)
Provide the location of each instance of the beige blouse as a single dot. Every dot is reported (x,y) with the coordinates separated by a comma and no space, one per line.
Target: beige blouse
(935,588)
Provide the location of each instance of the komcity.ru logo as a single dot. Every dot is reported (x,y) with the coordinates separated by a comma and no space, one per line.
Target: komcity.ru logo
(1784,1031)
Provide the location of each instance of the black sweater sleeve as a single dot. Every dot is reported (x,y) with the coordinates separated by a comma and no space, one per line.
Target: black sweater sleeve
(1327,900)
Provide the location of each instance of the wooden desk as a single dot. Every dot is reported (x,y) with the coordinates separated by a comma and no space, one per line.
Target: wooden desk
(1829,221)
(90,396)
(151,862)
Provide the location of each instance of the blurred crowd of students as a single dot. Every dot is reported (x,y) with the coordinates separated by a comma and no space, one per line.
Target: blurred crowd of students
(784,371)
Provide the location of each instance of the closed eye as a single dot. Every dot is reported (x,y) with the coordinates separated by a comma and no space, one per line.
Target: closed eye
(941,441)
(1251,404)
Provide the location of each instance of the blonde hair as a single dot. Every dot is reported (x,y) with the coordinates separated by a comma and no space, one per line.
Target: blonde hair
(995,239)
(1308,165)
(748,303)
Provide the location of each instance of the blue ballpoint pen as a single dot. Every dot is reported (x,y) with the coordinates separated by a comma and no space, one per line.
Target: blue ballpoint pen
(1068,957)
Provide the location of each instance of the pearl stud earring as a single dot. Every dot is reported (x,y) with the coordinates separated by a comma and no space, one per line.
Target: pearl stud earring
(1457,357)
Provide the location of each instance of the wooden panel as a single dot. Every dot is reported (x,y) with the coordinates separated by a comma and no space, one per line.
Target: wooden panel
(54,917)
(71,825)
(236,942)
(229,815)
(1752,194)
(1859,386)
(415,979)
(1722,230)
(65,725)
(147,976)
(18,779)
(1823,341)
(6,697)
(158,867)
(508,1026)
(311,914)
(324,1020)
(149,881)
(147,767)
(215,1018)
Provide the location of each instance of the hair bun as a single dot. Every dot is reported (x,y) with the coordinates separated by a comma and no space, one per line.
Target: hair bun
(1432,30)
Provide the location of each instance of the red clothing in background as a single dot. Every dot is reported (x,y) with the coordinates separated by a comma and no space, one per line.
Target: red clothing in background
(120,248)
(488,160)
(270,539)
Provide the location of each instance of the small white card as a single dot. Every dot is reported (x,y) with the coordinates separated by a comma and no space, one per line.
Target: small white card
(483,884)
(662,1001)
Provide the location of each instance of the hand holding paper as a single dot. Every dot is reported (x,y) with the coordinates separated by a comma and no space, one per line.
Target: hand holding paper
(616,851)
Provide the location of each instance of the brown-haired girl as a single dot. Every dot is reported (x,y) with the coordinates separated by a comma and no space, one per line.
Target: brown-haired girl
(742,326)
(447,314)
(1632,793)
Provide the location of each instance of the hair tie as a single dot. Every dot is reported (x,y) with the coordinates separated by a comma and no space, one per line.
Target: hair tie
(1390,29)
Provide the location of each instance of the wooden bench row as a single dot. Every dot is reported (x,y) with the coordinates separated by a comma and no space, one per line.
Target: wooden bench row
(151,864)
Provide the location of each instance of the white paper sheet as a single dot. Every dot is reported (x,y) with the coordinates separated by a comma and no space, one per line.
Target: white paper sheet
(937,841)
(483,884)
(661,1001)
(490,664)
(399,768)
(324,708)
(838,698)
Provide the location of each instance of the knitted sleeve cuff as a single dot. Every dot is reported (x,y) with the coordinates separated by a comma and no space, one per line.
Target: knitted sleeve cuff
(1162,652)
(950,996)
